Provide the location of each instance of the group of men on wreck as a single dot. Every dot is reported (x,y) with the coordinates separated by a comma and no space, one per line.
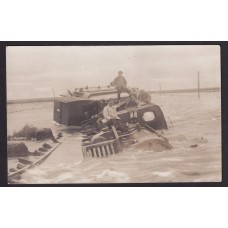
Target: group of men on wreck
(109,111)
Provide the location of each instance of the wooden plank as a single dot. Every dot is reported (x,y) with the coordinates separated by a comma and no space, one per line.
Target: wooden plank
(103,151)
(108,149)
(84,152)
(93,152)
(112,148)
(99,151)
(115,132)
(132,133)
(90,152)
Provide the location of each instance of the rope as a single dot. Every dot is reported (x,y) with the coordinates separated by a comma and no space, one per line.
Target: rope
(170,121)
(154,131)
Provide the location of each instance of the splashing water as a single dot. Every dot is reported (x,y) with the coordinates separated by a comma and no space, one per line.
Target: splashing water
(195,157)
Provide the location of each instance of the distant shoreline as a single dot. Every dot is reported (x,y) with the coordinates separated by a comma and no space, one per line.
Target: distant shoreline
(51,99)
(213,89)
(32,100)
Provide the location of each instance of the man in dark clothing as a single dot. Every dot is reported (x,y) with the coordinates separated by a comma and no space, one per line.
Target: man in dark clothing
(120,84)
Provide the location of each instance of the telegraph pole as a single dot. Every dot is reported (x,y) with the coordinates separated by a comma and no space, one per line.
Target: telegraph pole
(198,84)
(160,88)
(53,92)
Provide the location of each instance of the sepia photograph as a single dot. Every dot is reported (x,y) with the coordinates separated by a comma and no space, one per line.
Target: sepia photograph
(113,114)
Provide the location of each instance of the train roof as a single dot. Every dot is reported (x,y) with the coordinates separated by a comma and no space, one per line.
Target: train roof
(68,99)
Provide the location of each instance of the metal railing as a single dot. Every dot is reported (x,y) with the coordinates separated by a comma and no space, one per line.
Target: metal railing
(102,149)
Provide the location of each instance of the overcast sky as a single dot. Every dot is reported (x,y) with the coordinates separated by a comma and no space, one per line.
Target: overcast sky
(33,72)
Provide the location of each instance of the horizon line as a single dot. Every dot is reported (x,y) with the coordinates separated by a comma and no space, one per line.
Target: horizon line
(48,99)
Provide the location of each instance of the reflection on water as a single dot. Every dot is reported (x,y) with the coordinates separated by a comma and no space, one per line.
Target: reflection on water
(196,138)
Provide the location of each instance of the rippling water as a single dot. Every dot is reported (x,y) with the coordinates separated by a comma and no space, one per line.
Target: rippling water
(192,122)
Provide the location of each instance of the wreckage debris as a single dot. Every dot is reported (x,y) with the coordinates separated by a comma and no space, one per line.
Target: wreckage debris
(194,146)
(17,150)
(39,134)
(156,145)
(41,149)
(11,170)
(20,166)
(46,146)
(60,135)
(37,153)
(25,161)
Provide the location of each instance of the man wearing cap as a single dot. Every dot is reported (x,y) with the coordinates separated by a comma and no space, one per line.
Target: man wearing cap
(111,117)
(120,84)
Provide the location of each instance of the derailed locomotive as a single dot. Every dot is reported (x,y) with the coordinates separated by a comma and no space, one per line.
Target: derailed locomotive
(100,140)
(75,111)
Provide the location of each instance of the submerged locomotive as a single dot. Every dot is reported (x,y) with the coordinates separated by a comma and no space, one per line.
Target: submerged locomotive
(84,110)
(76,110)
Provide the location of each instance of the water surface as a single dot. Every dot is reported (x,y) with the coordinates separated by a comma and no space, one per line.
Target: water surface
(194,131)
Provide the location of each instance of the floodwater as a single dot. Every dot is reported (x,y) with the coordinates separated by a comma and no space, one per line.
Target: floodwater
(194,132)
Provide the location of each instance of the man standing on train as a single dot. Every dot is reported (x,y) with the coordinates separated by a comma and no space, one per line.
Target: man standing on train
(120,84)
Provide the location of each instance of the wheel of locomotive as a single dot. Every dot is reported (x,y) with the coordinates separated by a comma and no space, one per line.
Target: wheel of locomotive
(98,139)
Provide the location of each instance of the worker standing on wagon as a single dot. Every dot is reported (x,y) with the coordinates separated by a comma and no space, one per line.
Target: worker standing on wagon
(111,117)
(120,84)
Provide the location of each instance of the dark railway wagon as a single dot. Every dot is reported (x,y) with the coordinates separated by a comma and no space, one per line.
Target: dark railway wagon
(72,111)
